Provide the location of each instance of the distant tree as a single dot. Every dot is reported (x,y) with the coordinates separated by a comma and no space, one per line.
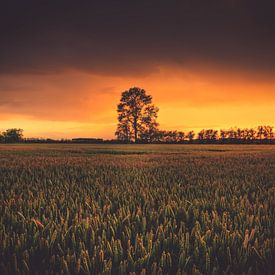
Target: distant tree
(170,136)
(1,138)
(208,135)
(201,135)
(268,132)
(223,134)
(136,116)
(159,136)
(190,135)
(181,136)
(13,135)
(251,134)
(173,136)
(260,132)
(246,134)
(211,134)
(238,134)
(167,136)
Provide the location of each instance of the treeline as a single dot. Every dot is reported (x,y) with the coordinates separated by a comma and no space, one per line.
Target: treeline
(261,134)
(258,135)
(137,123)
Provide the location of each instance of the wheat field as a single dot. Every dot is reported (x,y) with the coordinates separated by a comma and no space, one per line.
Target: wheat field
(137,209)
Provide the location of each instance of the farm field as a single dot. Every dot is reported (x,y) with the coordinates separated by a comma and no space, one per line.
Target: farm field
(140,209)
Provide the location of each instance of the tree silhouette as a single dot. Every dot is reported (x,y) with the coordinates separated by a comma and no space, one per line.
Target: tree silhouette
(201,134)
(268,132)
(223,134)
(181,136)
(251,134)
(136,116)
(149,125)
(208,135)
(13,135)
(260,133)
(190,135)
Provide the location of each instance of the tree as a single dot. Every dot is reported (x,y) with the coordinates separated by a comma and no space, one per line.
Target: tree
(149,126)
(190,135)
(260,133)
(136,116)
(13,135)
(268,132)
(237,134)
(223,134)
(123,131)
(208,135)
(201,135)
(211,134)
(251,133)
(181,136)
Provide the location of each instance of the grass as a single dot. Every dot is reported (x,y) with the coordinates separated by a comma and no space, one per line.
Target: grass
(154,209)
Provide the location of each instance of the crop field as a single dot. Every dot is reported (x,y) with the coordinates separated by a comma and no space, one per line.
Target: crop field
(139,209)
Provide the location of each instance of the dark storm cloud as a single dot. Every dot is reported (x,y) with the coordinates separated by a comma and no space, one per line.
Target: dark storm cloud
(132,37)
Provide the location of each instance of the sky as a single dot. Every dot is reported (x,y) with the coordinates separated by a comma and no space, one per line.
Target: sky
(64,64)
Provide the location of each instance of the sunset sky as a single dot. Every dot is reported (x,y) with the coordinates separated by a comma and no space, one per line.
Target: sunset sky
(64,64)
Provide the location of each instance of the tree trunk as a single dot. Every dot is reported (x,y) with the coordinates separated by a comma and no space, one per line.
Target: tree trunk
(135,129)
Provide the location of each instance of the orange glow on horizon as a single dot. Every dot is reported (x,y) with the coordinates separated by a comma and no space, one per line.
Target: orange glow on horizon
(77,104)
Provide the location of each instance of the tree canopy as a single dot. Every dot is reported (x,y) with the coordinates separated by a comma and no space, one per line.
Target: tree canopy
(12,135)
(137,116)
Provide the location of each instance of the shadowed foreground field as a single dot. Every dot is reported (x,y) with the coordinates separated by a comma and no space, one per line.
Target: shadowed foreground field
(150,209)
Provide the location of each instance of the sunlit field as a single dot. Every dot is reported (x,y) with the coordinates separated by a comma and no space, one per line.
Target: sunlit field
(145,209)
